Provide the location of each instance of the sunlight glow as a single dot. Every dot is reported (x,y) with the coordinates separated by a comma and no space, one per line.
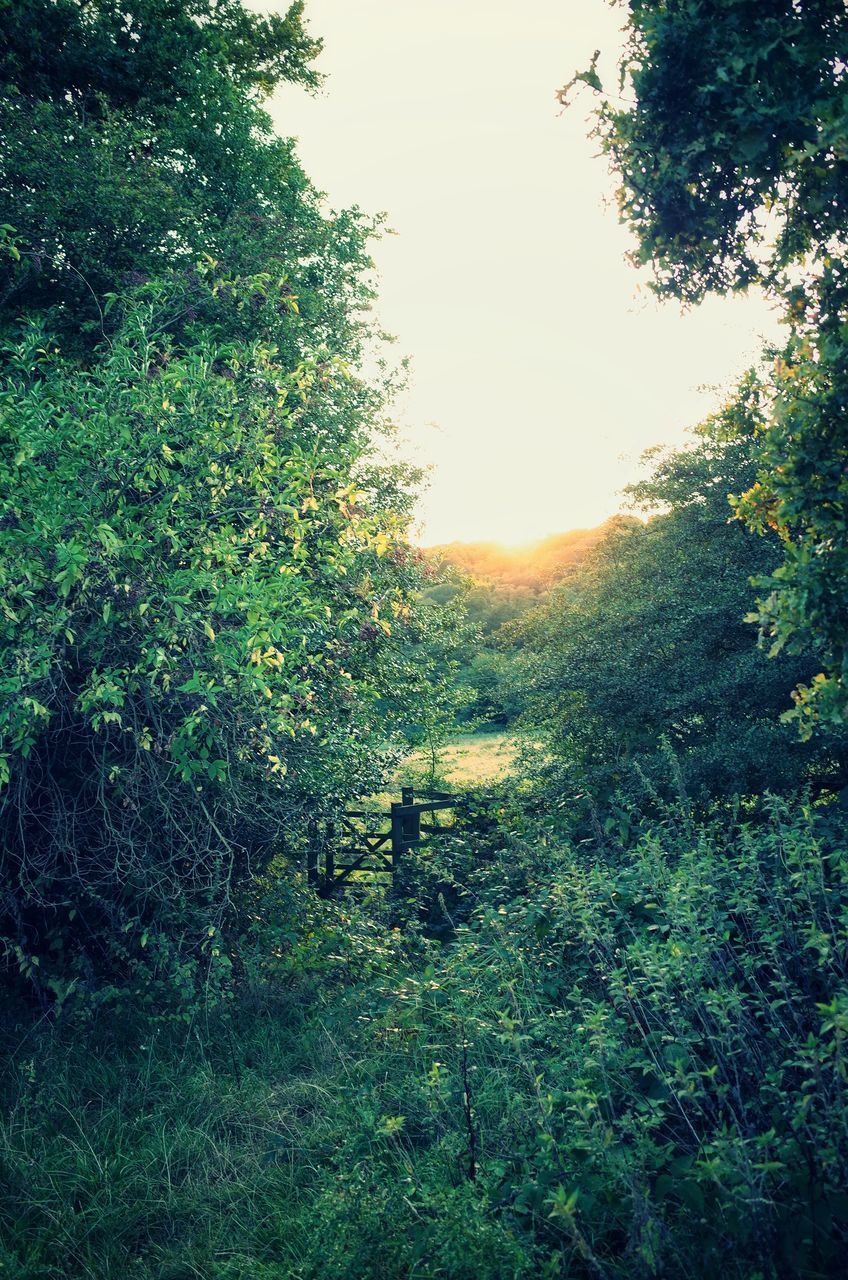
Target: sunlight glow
(540,369)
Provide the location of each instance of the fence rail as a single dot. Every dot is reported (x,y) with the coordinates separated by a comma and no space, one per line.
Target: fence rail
(365,849)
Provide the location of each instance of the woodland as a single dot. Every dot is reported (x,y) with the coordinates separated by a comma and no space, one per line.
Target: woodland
(598,1028)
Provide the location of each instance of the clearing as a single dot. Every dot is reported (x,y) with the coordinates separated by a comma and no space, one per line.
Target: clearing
(465,759)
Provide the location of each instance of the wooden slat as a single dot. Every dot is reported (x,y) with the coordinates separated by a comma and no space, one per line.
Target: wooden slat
(430,807)
(378,839)
(353,866)
(356,852)
(357,866)
(382,836)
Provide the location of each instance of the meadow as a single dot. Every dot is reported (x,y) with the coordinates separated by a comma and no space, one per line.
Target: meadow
(464,759)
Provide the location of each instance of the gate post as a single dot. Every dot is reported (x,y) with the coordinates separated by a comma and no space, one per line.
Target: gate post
(411,821)
(330,856)
(397,834)
(312,854)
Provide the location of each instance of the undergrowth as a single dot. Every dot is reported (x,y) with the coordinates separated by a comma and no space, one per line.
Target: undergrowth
(550,1059)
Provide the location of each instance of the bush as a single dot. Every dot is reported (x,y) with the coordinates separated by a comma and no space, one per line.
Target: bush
(646,645)
(658,1048)
(620,1067)
(651,1052)
(191,629)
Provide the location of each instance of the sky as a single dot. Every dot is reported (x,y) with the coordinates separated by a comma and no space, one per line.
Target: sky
(541,366)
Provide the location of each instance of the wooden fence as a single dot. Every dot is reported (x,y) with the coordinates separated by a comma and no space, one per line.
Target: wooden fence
(372,842)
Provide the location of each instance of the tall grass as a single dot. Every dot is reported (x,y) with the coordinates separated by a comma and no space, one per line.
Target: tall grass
(465,760)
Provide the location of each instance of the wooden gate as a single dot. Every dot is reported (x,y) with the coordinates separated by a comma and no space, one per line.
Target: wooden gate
(372,842)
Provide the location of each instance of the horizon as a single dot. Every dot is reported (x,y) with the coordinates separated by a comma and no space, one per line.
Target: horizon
(530,545)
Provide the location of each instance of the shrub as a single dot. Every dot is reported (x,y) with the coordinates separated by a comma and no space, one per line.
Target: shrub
(195,591)
(651,1049)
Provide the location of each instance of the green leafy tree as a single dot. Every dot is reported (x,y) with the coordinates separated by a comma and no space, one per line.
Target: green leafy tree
(646,647)
(193,604)
(427,694)
(730,139)
(132,140)
(497,585)
(801,493)
(205,580)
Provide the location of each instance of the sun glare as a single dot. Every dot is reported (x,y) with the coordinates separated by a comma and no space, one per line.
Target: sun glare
(533,352)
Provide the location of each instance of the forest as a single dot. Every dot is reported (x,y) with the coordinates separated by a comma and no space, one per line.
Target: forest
(597,1025)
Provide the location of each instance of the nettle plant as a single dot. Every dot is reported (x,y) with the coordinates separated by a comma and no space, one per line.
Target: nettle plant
(198,579)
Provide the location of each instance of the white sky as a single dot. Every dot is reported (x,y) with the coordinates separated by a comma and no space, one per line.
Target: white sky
(540,369)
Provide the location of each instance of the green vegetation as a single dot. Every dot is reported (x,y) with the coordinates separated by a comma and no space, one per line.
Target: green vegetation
(526,570)
(636,654)
(732,150)
(205,579)
(495,586)
(626,1061)
(598,1027)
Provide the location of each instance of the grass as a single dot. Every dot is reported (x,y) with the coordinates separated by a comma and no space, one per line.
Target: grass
(267,1141)
(466,760)
(159,1149)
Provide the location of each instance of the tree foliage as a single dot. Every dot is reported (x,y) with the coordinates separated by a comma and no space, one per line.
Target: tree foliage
(205,581)
(496,585)
(731,146)
(133,142)
(801,492)
(515,573)
(646,649)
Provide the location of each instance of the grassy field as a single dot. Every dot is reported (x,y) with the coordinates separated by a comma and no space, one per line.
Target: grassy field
(466,759)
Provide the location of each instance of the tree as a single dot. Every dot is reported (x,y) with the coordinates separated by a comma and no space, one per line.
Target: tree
(132,141)
(801,492)
(731,141)
(205,579)
(645,647)
(731,146)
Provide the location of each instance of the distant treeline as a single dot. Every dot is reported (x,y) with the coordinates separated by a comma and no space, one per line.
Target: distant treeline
(493,586)
(533,565)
